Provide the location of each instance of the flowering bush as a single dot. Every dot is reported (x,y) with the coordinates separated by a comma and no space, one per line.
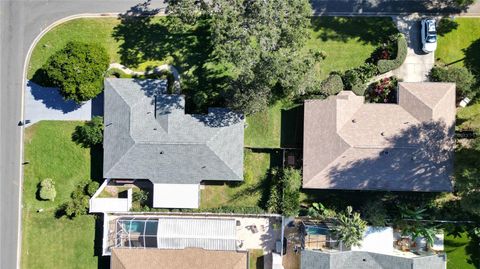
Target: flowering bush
(383,91)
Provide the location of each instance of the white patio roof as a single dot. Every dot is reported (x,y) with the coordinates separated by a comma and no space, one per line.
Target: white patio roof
(176,195)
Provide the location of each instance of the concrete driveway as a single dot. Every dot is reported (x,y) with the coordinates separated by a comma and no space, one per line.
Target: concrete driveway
(417,65)
(47,104)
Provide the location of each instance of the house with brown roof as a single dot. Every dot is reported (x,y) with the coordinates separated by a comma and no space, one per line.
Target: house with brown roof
(189,258)
(405,146)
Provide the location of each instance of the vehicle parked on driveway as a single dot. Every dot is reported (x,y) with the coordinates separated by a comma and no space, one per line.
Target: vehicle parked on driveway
(428,35)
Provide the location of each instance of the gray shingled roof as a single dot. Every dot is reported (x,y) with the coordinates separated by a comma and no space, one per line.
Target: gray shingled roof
(350,144)
(148,136)
(367,260)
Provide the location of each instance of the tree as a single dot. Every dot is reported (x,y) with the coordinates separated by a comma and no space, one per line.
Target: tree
(258,45)
(90,134)
(349,227)
(463,78)
(92,187)
(77,70)
(47,189)
(78,205)
(285,192)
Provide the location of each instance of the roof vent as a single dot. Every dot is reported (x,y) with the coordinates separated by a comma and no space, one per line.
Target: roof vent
(354,120)
(161,152)
(382,133)
(154,129)
(203,167)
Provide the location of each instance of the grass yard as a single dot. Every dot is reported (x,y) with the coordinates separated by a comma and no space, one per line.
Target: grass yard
(48,241)
(347,41)
(469,117)
(250,192)
(461,43)
(462,252)
(84,30)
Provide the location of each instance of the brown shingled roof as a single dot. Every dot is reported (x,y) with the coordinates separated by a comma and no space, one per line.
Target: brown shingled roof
(190,258)
(349,144)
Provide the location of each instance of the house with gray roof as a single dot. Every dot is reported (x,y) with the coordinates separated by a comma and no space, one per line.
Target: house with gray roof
(405,146)
(149,136)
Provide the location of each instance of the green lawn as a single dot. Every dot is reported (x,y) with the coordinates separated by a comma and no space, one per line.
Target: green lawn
(454,46)
(97,30)
(48,241)
(347,41)
(469,117)
(245,194)
(462,252)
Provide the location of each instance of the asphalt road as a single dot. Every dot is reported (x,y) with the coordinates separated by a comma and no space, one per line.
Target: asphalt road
(22,20)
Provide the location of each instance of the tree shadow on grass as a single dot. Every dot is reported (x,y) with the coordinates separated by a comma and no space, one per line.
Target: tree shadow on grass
(372,31)
(472,58)
(146,38)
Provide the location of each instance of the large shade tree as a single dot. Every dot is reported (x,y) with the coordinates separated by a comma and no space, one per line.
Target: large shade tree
(258,44)
(77,70)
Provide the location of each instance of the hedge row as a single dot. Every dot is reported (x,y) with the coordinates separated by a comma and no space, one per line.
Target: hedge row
(387,65)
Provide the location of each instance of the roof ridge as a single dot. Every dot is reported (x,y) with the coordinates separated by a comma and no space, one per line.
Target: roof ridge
(123,156)
(321,171)
(223,161)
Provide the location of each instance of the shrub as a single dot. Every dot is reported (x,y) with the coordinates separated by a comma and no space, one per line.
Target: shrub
(139,199)
(319,211)
(356,79)
(387,65)
(78,205)
(47,189)
(463,78)
(89,134)
(78,70)
(92,187)
(349,227)
(332,85)
(382,91)
(285,192)
(375,213)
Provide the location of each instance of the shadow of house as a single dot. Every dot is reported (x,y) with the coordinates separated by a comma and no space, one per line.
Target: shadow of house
(52,98)
(291,133)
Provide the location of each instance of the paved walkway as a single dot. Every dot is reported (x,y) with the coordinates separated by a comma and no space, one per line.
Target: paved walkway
(47,104)
(417,65)
(157,69)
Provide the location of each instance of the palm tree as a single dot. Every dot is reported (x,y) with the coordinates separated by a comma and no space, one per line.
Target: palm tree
(350,228)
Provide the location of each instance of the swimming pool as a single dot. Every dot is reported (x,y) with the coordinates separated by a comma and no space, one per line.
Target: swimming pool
(316,230)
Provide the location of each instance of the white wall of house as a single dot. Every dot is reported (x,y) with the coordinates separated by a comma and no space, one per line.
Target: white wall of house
(102,205)
(176,195)
(377,239)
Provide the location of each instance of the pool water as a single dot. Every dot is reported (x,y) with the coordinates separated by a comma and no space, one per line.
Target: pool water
(316,230)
